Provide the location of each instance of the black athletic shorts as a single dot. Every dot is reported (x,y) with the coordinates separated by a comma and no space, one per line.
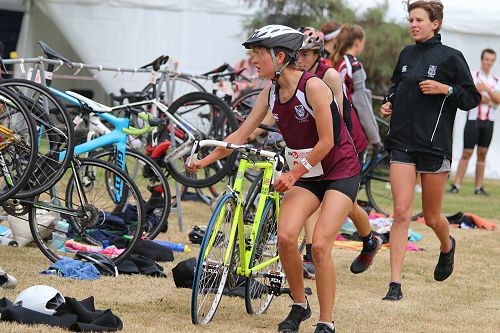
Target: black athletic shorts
(478,132)
(348,186)
(424,162)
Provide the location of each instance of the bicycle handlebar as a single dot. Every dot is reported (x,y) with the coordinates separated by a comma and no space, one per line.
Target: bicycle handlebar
(149,123)
(279,161)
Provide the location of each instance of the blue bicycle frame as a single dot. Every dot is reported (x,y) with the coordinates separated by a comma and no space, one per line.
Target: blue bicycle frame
(116,137)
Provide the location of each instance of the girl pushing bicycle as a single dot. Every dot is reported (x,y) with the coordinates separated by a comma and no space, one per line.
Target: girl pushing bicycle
(324,166)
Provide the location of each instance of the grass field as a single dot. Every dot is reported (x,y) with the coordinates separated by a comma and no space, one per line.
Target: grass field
(469,301)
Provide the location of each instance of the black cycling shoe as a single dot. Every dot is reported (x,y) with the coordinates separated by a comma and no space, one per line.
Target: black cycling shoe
(444,267)
(453,189)
(322,328)
(297,315)
(394,293)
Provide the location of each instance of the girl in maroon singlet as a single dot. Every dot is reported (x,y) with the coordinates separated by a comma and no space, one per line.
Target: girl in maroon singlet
(323,165)
(309,58)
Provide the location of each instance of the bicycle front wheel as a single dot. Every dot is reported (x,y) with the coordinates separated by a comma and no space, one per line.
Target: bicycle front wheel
(258,294)
(18,144)
(211,268)
(87,217)
(378,189)
(54,131)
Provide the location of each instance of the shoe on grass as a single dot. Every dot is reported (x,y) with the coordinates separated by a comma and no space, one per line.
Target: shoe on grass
(323,328)
(453,189)
(309,270)
(394,293)
(7,281)
(480,191)
(296,316)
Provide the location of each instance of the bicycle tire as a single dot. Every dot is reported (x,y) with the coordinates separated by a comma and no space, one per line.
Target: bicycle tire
(43,215)
(210,274)
(378,189)
(221,123)
(157,207)
(257,295)
(56,134)
(243,104)
(19,155)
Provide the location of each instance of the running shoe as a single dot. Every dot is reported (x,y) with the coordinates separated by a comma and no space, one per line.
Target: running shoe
(7,280)
(444,267)
(394,293)
(453,189)
(296,316)
(482,192)
(365,258)
(323,328)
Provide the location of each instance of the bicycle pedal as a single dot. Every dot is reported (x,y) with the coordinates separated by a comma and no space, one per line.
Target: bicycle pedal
(276,280)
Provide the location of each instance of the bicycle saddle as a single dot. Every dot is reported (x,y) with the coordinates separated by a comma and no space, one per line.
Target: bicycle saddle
(158,62)
(52,54)
(220,69)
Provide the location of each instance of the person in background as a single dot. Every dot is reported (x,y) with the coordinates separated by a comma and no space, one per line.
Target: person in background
(348,46)
(330,31)
(478,129)
(309,58)
(431,81)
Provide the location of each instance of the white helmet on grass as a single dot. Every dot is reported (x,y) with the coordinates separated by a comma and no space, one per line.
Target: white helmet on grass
(40,298)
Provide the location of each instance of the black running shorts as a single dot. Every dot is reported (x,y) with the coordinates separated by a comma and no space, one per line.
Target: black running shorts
(348,186)
(423,162)
(478,132)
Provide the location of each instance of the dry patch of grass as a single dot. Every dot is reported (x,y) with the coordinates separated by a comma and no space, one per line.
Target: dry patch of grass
(469,301)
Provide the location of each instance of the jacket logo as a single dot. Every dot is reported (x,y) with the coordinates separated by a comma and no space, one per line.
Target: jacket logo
(404,69)
(432,71)
(302,115)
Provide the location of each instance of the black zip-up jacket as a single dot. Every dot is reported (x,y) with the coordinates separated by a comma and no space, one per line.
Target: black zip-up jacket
(424,123)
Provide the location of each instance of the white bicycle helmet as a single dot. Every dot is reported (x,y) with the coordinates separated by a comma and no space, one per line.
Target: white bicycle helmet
(40,298)
(277,36)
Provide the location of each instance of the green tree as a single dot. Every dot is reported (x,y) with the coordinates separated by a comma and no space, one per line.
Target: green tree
(384,40)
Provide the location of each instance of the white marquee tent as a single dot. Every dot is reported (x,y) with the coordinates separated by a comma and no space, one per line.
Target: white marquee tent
(203,34)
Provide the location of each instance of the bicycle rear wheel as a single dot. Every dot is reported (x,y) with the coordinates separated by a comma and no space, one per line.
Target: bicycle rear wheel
(211,119)
(378,189)
(211,269)
(110,224)
(55,134)
(152,184)
(258,295)
(18,144)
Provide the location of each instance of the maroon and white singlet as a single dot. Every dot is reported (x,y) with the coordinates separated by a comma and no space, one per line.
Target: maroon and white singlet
(296,121)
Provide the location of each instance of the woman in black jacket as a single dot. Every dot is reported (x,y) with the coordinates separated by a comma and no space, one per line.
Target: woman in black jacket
(431,81)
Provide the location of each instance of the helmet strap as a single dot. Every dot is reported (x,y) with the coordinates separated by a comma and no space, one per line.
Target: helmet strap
(315,62)
(277,71)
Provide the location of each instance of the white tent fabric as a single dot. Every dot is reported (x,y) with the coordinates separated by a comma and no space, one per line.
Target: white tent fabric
(200,34)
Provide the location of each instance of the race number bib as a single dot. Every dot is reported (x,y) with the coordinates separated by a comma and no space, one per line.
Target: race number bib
(293,157)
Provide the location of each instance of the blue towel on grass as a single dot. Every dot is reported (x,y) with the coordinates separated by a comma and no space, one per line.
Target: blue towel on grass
(75,269)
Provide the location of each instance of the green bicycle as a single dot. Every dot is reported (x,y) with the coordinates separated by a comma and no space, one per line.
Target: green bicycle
(234,249)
